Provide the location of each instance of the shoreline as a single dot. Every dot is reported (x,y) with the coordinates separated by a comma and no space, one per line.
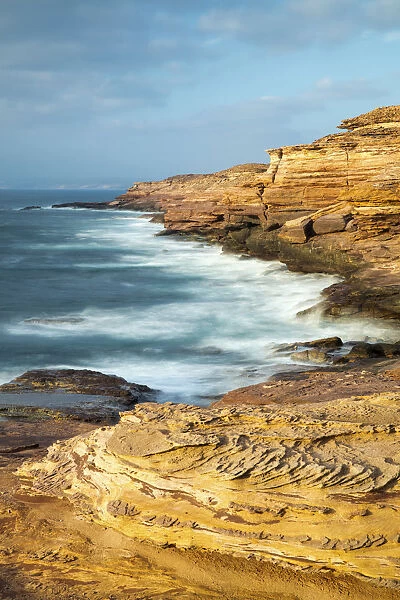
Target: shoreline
(356,296)
(45,545)
(301,470)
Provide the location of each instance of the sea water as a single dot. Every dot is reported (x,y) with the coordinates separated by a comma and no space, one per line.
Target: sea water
(98,290)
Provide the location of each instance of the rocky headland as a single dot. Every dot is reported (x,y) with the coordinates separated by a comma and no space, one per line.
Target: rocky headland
(286,489)
(329,206)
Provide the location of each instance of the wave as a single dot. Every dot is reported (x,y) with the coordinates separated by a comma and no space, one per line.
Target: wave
(101,291)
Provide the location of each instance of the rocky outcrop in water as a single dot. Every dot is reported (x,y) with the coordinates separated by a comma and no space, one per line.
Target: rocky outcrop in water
(317,486)
(79,394)
(77,381)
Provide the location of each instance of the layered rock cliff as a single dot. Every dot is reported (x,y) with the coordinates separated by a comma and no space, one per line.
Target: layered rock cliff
(312,488)
(203,203)
(330,206)
(361,166)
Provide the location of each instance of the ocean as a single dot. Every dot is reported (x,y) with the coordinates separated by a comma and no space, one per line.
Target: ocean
(99,290)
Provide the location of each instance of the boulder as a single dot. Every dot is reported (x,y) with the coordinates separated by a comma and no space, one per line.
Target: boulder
(297,231)
(329,343)
(363,350)
(330,223)
(312,356)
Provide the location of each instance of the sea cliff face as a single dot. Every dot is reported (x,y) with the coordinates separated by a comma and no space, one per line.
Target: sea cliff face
(203,203)
(329,206)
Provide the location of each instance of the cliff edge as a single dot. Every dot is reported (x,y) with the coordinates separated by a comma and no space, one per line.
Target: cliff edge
(329,206)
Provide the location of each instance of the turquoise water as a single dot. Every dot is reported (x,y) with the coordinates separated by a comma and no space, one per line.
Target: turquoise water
(90,289)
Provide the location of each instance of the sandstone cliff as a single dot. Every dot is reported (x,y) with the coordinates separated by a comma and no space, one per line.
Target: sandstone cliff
(317,488)
(361,166)
(203,203)
(330,206)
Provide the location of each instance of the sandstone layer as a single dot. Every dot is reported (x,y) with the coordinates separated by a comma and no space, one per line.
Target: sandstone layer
(330,206)
(316,488)
(49,553)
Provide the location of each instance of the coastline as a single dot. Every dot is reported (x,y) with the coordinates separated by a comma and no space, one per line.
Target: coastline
(198,573)
(302,470)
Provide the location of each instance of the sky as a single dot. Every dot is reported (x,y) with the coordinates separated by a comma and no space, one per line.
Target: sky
(105,93)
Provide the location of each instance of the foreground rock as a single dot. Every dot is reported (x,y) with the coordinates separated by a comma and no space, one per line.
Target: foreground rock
(316,487)
(47,553)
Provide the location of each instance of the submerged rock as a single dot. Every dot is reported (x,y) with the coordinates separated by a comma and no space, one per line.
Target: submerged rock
(91,205)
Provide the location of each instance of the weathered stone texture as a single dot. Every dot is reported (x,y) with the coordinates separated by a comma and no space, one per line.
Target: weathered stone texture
(227,199)
(317,486)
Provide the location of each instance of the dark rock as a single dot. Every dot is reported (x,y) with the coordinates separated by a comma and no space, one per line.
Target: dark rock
(314,356)
(157,218)
(91,205)
(30,208)
(363,350)
(77,381)
(330,343)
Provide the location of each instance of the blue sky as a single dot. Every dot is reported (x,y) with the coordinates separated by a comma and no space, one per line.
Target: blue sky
(100,92)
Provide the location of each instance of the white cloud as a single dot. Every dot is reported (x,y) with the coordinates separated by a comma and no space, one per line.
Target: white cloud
(392,36)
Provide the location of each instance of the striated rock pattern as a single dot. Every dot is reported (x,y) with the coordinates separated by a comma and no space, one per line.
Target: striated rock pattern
(360,166)
(230,198)
(318,487)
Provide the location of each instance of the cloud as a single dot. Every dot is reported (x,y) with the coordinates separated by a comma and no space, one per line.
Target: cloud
(294,24)
(80,59)
(96,82)
(383,14)
(392,36)
(240,131)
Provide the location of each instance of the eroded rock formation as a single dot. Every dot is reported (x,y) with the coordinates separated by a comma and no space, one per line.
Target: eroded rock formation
(330,206)
(230,199)
(77,381)
(360,166)
(317,487)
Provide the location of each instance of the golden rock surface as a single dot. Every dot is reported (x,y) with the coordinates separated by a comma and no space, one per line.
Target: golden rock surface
(316,487)
(329,206)
(361,165)
(196,202)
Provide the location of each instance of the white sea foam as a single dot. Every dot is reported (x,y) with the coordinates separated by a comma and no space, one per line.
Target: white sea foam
(180,316)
